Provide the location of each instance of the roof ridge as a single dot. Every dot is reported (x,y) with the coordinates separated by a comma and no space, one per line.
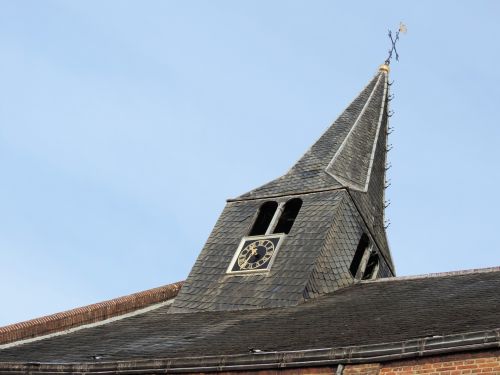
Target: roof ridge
(349,138)
(435,274)
(87,314)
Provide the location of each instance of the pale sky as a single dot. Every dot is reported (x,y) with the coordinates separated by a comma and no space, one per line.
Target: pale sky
(126,124)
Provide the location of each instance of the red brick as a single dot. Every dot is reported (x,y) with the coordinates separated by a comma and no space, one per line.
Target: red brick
(87,314)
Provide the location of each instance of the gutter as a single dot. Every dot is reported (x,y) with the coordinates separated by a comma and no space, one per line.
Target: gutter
(375,353)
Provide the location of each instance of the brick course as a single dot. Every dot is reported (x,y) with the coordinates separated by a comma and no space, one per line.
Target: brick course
(366,369)
(484,363)
(87,314)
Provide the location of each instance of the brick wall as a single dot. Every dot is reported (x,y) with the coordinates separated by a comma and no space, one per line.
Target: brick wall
(368,369)
(484,363)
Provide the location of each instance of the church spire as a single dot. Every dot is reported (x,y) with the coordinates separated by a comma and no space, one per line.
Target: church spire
(318,228)
(351,155)
(352,163)
(343,155)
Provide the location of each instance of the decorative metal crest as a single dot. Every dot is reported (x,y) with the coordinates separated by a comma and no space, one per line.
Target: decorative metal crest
(394,39)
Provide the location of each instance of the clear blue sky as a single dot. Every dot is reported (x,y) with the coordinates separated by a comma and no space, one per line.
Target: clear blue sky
(126,124)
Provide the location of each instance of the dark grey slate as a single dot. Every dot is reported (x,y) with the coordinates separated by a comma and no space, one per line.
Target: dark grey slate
(361,314)
(352,162)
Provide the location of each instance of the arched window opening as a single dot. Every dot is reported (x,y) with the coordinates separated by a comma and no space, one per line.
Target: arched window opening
(264,218)
(363,245)
(371,268)
(287,218)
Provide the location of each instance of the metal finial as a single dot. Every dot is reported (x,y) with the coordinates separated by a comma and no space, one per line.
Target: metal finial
(394,39)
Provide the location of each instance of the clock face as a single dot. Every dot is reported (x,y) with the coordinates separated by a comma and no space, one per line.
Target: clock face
(255,254)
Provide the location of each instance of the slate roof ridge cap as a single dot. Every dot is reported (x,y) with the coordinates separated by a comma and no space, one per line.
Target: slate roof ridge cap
(87,325)
(433,275)
(88,314)
(354,126)
(383,110)
(388,257)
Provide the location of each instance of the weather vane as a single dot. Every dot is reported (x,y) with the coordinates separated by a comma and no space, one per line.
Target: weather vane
(394,40)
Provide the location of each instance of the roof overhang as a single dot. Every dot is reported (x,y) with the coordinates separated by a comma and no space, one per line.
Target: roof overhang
(377,353)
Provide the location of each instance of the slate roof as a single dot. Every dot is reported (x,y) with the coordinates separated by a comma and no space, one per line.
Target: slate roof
(350,154)
(381,311)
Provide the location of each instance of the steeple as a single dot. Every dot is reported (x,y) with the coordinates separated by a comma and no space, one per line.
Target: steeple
(343,155)
(317,228)
(351,154)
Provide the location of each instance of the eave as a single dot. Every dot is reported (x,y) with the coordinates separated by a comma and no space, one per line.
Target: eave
(377,353)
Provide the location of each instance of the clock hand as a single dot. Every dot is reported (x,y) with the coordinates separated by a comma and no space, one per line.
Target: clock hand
(246,262)
(253,252)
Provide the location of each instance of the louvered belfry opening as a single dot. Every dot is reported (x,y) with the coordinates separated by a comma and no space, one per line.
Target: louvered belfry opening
(364,243)
(371,266)
(264,218)
(287,218)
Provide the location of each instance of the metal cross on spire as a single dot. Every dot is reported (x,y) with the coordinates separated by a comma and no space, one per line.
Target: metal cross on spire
(394,40)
